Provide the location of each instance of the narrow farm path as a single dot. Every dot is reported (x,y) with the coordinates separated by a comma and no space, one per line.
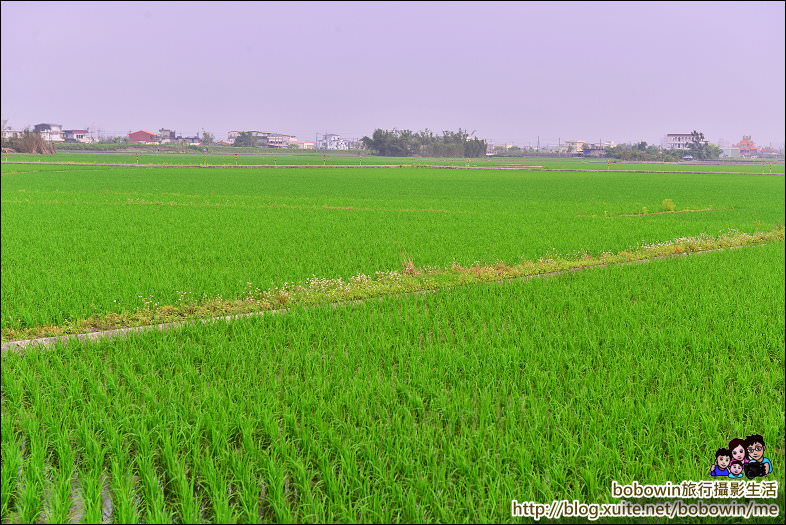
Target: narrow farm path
(276,166)
(51,341)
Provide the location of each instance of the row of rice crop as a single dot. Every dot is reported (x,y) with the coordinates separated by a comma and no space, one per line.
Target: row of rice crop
(320,158)
(79,241)
(409,279)
(436,408)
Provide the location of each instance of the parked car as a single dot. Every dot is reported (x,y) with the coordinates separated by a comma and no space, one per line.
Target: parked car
(687,157)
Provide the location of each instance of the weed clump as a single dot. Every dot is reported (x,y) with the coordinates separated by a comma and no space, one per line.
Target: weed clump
(409,268)
(668,205)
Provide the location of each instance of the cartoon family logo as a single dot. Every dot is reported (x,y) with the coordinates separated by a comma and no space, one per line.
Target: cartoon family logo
(743,455)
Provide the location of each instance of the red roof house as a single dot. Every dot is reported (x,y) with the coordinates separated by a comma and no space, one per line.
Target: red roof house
(142,137)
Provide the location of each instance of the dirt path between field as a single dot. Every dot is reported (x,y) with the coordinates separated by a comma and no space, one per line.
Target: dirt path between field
(51,341)
(275,166)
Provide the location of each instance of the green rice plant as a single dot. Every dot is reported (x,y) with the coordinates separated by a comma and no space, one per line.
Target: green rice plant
(121,482)
(411,279)
(180,482)
(246,489)
(84,241)
(64,480)
(151,490)
(34,473)
(215,486)
(12,464)
(438,407)
(273,477)
(122,494)
(257,156)
(91,474)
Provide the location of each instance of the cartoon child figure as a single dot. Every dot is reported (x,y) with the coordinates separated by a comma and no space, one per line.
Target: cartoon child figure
(735,469)
(738,450)
(722,460)
(755,447)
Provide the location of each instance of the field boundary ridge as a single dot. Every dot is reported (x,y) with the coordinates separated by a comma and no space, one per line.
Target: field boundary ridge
(360,166)
(337,292)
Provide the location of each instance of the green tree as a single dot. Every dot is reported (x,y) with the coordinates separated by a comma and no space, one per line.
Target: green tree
(713,151)
(405,143)
(207,138)
(245,140)
(698,147)
(649,152)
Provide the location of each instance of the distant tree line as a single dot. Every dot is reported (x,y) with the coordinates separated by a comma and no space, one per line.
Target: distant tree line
(698,148)
(645,152)
(406,143)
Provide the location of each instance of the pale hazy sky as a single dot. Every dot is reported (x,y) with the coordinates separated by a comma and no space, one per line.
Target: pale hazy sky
(510,71)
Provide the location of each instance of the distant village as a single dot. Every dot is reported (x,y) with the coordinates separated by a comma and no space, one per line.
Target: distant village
(745,148)
(263,139)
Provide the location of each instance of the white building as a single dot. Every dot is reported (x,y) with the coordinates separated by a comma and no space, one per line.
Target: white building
(572,147)
(680,141)
(333,141)
(597,149)
(12,133)
(77,135)
(731,152)
(167,136)
(280,140)
(50,132)
(270,139)
(261,136)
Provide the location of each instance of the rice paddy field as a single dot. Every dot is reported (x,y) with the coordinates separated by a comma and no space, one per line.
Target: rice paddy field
(336,158)
(404,407)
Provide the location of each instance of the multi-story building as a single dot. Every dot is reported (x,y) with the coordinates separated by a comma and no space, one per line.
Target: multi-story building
(50,132)
(77,135)
(355,144)
(166,136)
(12,133)
(261,136)
(268,139)
(748,148)
(680,141)
(280,140)
(597,149)
(304,144)
(572,147)
(333,141)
